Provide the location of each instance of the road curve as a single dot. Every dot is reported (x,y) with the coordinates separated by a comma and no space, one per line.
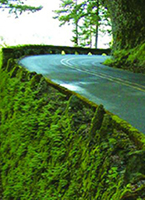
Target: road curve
(121,92)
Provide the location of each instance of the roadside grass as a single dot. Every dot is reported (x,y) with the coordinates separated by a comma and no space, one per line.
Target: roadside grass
(138,54)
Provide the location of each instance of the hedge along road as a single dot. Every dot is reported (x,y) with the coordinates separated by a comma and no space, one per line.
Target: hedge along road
(121,92)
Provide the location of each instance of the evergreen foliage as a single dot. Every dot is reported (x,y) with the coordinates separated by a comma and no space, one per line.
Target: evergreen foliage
(87,17)
(18,6)
(50,150)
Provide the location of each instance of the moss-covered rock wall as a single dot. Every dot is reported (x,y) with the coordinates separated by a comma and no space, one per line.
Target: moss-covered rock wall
(16,52)
(131,59)
(55,145)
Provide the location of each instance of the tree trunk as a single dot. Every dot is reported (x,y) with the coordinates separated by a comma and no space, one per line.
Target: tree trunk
(77,34)
(97,25)
(128,22)
(76,27)
(96,37)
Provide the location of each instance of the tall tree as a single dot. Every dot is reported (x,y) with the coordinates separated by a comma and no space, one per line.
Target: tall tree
(70,12)
(90,24)
(97,24)
(128,22)
(75,18)
(85,15)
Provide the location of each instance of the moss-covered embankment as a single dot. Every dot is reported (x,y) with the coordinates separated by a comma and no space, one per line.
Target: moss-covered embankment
(56,146)
(129,59)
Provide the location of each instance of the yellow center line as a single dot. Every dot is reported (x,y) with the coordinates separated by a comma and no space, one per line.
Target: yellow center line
(104,76)
(125,82)
(120,81)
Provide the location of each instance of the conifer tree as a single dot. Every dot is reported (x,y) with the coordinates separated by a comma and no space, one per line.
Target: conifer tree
(90,24)
(86,16)
(69,14)
(18,6)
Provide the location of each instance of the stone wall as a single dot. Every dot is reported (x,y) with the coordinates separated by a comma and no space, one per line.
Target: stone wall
(26,50)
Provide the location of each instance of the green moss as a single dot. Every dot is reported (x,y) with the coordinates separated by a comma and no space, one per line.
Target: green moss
(54,145)
(137,137)
(108,61)
(131,59)
(97,120)
(138,55)
(20,51)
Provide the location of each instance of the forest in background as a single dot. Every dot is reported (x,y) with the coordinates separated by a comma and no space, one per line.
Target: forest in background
(124,20)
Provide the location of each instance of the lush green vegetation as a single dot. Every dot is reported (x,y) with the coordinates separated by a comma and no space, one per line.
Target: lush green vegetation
(129,59)
(89,17)
(53,148)
(128,19)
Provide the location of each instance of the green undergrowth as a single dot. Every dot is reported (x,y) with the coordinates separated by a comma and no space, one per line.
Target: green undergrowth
(132,59)
(55,147)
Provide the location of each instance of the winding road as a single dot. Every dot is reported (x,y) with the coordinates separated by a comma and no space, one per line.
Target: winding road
(121,92)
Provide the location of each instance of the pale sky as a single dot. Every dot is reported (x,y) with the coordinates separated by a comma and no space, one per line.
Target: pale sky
(37,28)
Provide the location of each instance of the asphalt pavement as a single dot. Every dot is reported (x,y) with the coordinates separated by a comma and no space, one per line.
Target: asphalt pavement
(121,92)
